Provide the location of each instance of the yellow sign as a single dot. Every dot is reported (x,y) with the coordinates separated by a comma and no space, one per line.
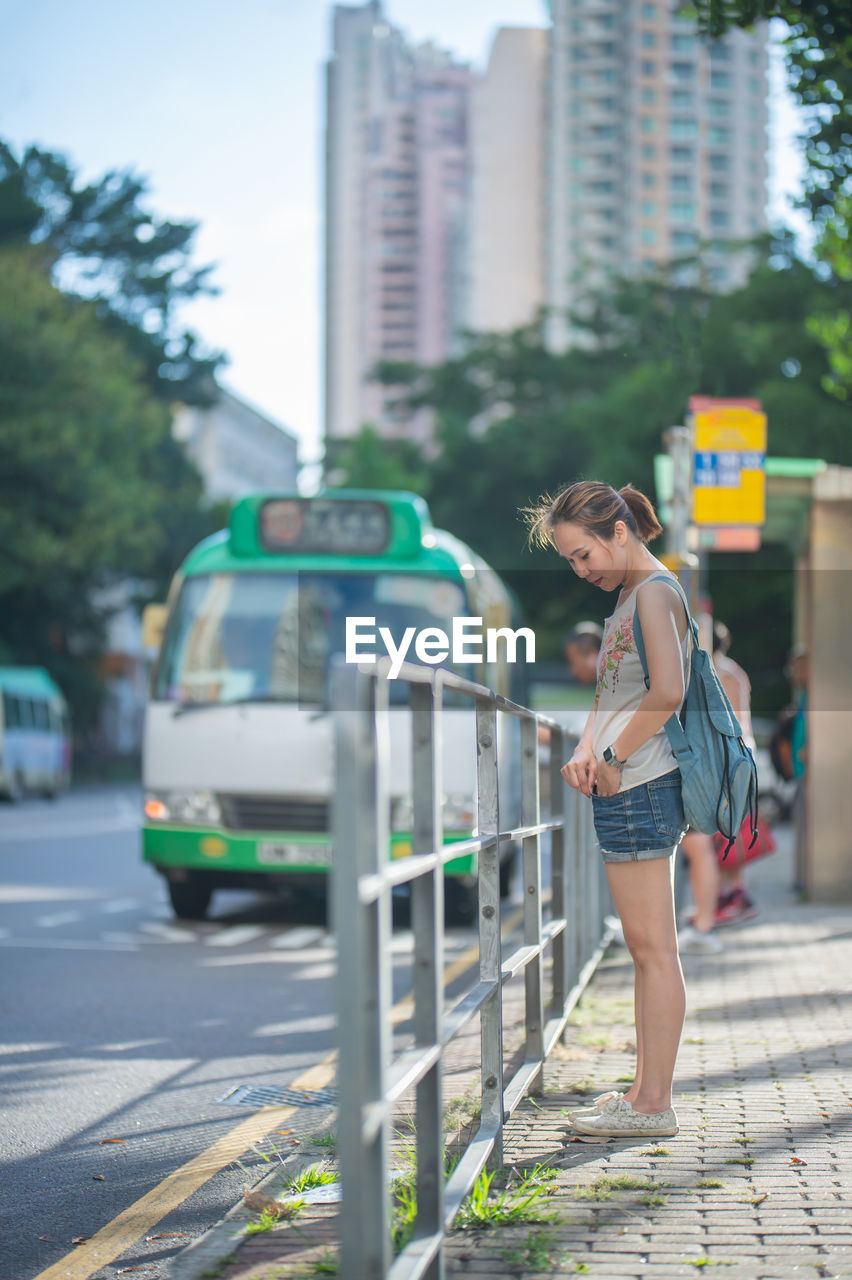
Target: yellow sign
(729,451)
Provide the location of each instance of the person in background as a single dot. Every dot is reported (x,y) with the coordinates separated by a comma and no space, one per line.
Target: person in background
(734,903)
(582,648)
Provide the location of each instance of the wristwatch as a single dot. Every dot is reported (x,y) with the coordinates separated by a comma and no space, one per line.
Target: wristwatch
(610,758)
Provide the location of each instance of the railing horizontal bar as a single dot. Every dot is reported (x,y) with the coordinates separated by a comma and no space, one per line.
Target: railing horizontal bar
(402,870)
(518,833)
(410,1067)
(518,1085)
(553,1029)
(467,1171)
(468,1007)
(517,961)
(414,1262)
(552,929)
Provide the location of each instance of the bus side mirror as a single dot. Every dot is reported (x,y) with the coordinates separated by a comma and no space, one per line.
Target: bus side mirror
(153,625)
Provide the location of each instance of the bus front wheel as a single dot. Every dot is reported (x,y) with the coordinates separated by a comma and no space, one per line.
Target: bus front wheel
(190,898)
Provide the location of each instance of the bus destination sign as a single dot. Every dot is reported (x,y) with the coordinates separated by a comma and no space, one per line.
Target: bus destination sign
(324,526)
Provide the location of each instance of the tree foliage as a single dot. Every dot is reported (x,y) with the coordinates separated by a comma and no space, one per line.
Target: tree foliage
(818,49)
(101,242)
(513,419)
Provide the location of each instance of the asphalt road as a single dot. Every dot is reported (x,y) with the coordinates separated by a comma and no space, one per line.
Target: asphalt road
(121,1031)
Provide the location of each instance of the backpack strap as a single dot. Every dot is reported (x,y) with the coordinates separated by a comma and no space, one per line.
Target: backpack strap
(673,726)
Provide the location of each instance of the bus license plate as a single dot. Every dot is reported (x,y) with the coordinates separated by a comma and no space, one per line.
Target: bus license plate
(273,854)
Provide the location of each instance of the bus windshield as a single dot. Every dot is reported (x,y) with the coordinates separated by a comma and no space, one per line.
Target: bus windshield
(268,637)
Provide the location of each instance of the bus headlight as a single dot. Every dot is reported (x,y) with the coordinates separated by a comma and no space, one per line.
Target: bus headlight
(195,808)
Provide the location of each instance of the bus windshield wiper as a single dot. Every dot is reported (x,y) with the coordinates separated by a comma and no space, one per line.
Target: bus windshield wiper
(189,705)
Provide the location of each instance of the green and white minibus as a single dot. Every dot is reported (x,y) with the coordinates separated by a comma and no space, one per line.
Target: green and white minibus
(35,737)
(238,747)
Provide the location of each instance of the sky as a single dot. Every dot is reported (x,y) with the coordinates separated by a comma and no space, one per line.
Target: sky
(219,105)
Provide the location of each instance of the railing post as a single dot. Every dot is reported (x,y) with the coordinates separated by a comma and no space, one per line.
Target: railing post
(491,1015)
(427,915)
(562,979)
(531,816)
(364,998)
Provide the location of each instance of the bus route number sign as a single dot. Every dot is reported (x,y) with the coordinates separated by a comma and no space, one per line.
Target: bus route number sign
(324,526)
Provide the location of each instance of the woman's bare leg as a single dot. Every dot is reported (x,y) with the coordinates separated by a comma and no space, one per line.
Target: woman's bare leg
(642,893)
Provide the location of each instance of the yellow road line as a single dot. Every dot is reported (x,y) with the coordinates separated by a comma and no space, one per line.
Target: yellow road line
(132,1223)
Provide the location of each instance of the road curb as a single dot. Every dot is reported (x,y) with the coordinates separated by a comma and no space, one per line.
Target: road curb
(226,1237)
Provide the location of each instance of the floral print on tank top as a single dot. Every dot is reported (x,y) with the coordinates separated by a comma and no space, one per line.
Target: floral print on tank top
(617,644)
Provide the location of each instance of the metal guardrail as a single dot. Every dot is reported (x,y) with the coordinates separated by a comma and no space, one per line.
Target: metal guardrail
(371,1080)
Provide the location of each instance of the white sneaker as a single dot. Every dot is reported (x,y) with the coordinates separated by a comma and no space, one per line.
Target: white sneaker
(698,941)
(614,924)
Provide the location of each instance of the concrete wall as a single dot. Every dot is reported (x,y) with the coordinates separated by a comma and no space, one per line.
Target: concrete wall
(828,838)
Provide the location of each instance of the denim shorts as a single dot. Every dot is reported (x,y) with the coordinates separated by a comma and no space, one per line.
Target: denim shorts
(643,822)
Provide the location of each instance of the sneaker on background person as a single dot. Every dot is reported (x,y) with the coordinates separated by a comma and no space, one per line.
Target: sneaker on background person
(698,941)
(734,907)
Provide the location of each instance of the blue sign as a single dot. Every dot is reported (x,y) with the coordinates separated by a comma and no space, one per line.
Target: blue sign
(721,470)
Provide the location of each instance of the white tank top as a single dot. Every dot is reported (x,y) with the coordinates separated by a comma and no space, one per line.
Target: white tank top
(621,689)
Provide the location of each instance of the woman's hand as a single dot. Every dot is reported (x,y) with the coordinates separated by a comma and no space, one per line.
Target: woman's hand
(609,778)
(581,770)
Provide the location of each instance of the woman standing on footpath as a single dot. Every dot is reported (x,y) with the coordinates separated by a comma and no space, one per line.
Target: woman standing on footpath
(624,762)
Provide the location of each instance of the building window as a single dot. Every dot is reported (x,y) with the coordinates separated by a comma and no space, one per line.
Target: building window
(649,96)
(649,68)
(682,212)
(684,128)
(684,241)
(649,39)
(719,106)
(720,79)
(719,218)
(719,190)
(649,209)
(648,179)
(683,72)
(649,12)
(719,163)
(648,124)
(682,99)
(649,151)
(680,182)
(682,43)
(648,235)
(754,57)
(719,51)
(681,155)
(719,135)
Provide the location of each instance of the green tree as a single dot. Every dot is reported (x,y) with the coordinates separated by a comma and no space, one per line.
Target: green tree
(818,48)
(369,461)
(91,483)
(101,242)
(513,419)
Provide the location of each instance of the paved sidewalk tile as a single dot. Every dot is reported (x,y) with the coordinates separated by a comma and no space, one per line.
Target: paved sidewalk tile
(758,1183)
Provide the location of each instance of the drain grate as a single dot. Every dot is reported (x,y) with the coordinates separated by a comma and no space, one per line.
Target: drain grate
(270,1095)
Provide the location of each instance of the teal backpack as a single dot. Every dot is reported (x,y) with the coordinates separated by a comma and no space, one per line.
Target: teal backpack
(718,773)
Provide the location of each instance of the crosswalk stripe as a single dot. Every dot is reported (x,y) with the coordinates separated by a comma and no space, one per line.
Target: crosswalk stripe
(166,932)
(295,939)
(58,917)
(235,936)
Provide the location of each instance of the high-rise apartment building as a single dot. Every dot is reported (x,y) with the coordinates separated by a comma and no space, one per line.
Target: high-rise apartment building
(656,144)
(396,190)
(506,213)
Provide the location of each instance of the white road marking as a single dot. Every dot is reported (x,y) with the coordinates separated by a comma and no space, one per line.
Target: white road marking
(119,904)
(296,939)
(235,936)
(127,1045)
(322,1022)
(57,918)
(66,944)
(166,932)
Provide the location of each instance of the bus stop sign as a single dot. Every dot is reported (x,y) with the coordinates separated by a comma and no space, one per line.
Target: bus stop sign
(729,454)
